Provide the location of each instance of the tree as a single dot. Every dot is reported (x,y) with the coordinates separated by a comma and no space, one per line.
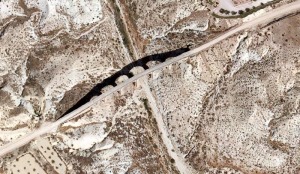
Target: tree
(241,12)
(233,12)
(221,10)
(247,9)
(227,12)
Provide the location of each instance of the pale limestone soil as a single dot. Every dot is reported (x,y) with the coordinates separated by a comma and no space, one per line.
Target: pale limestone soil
(118,134)
(44,71)
(164,25)
(246,117)
(124,141)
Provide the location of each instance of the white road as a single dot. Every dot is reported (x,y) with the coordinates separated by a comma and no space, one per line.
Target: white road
(267,17)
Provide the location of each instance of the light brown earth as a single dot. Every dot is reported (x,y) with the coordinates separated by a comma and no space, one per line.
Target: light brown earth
(233,108)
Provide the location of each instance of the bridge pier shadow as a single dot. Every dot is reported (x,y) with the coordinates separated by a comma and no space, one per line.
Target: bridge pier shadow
(126,70)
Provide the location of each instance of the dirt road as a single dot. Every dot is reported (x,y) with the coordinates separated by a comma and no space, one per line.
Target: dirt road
(267,17)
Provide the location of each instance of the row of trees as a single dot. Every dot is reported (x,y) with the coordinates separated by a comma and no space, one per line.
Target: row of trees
(240,12)
(223,11)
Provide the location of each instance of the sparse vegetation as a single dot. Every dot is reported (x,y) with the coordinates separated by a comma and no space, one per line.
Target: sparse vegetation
(224,11)
(146,105)
(122,28)
(241,12)
(248,11)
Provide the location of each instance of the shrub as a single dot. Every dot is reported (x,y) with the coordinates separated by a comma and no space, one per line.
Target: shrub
(221,10)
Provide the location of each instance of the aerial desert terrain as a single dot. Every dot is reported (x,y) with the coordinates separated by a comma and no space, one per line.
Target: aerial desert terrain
(149,87)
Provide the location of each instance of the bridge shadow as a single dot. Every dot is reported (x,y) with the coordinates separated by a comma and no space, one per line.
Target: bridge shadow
(96,90)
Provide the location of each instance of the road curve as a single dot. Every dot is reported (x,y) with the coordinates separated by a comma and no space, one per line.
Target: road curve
(267,17)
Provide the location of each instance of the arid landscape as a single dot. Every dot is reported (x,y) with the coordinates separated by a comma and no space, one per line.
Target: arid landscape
(143,87)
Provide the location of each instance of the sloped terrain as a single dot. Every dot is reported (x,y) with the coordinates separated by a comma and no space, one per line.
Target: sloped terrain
(233,108)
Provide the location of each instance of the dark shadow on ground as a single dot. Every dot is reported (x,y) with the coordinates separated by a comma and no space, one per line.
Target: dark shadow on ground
(96,90)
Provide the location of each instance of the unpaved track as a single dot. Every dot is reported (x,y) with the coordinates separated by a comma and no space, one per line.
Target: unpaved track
(267,17)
